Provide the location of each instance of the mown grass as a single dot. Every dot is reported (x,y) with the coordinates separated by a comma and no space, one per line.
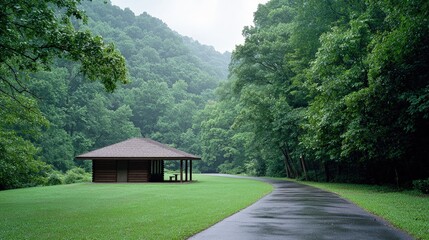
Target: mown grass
(407,210)
(124,211)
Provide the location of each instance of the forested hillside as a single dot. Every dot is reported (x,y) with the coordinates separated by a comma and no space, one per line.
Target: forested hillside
(322,90)
(326,90)
(62,113)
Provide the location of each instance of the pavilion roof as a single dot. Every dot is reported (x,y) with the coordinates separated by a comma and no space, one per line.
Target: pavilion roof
(138,148)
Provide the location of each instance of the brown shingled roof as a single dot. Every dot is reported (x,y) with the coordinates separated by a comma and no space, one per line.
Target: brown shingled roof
(138,148)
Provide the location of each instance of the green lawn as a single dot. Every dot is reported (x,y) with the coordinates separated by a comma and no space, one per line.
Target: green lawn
(407,210)
(124,211)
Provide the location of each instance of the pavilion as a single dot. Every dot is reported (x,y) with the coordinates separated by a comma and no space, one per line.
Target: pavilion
(137,160)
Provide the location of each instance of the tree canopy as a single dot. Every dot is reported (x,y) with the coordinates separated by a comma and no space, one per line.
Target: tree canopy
(33,33)
(326,90)
(329,90)
(58,60)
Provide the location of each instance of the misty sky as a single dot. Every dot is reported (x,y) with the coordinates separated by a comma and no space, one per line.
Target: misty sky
(211,22)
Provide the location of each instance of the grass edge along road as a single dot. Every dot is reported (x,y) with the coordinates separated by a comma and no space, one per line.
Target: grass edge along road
(124,211)
(406,210)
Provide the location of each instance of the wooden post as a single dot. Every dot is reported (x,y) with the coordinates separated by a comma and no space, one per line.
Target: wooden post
(181,171)
(186,170)
(190,170)
(162,170)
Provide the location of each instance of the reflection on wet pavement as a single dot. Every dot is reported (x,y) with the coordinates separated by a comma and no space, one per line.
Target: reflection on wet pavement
(296,211)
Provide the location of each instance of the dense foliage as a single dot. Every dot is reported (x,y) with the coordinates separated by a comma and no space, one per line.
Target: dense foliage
(51,112)
(321,89)
(32,35)
(327,90)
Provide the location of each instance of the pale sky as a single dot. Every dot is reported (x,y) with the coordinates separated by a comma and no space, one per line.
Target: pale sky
(217,23)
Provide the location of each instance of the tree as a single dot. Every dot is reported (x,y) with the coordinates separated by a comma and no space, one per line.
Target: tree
(19,165)
(171,77)
(335,87)
(269,84)
(33,33)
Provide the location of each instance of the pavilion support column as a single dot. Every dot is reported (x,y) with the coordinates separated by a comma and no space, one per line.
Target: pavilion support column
(157,167)
(181,171)
(190,170)
(186,170)
(162,170)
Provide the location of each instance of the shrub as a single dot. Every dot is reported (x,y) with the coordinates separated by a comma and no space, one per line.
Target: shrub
(76,175)
(230,168)
(422,185)
(54,179)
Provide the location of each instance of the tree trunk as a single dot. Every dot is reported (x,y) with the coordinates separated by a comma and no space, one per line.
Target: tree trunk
(290,170)
(396,177)
(327,174)
(304,168)
(288,173)
(292,167)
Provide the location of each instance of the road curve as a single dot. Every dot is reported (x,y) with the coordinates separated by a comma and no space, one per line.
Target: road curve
(296,211)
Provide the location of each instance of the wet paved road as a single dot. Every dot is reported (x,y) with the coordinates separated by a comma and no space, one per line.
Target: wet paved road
(295,211)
